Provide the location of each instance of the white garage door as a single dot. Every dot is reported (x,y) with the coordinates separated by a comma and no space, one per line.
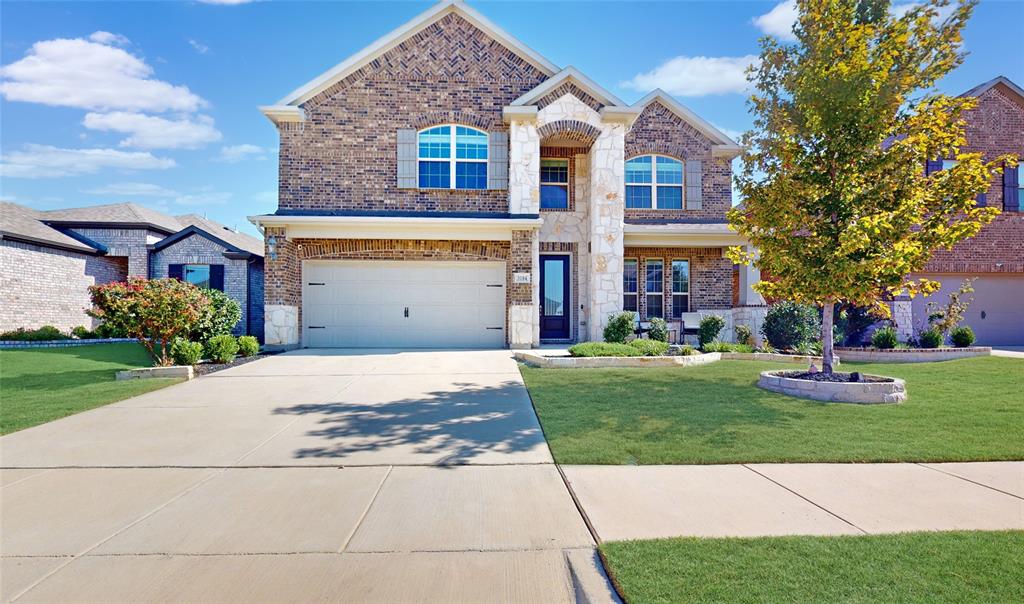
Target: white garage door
(996,313)
(380,304)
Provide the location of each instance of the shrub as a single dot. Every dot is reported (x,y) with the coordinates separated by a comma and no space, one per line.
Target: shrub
(155,311)
(687,351)
(930,338)
(650,348)
(82,333)
(710,327)
(620,327)
(727,347)
(46,332)
(107,331)
(186,352)
(603,349)
(787,325)
(220,317)
(852,322)
(744,335)
(248,346)
(222,349)
(962,336)
(884,338)
(658,330)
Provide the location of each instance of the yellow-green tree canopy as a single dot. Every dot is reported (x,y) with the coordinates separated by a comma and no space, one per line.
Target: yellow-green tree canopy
(836,197)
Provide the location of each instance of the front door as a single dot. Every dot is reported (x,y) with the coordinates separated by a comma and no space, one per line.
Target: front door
(555,305)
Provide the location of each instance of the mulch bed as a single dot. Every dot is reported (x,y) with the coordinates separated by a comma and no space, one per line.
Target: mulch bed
(211,367)
(837,376)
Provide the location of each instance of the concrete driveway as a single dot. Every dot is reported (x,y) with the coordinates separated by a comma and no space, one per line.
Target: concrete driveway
(364,476)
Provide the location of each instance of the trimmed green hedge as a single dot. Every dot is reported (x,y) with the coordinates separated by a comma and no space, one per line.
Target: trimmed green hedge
(603,349)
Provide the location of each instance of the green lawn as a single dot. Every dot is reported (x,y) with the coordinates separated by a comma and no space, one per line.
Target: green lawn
(43,384)
(912,567)
(971,409)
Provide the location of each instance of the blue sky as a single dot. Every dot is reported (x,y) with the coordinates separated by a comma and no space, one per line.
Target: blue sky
(155,102)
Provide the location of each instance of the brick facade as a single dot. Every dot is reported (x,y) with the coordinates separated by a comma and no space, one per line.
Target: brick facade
(995,127)
(45,286)
(658,130)
(710,276)
(130,243)
(344,156)
(200,250)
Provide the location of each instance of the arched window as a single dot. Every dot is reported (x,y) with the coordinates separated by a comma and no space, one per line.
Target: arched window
(452,157)
(654,181)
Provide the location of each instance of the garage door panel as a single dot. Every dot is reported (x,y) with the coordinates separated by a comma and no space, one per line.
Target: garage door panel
(994,315)
(363,304)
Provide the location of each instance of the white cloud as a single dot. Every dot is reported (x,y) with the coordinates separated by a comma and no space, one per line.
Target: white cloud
(91,75)
(233,154)
(198,46)
(695,76)
(205,198)
(779,21)
(942,12)
(105,37)
(132,189)
(730,132)
(150,132)
(45,161)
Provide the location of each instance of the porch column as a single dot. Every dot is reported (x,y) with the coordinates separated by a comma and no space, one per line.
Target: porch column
(606,220)
(282,293)
(750,275)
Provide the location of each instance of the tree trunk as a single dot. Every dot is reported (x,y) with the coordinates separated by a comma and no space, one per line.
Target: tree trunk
(826,338)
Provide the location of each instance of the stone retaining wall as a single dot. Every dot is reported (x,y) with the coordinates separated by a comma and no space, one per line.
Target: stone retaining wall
(864,393)
(911,355)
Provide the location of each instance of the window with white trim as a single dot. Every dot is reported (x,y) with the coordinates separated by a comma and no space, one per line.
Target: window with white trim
(680,288)
(452,157)
(554,184)
(654,181)
(629,283)
(654,280)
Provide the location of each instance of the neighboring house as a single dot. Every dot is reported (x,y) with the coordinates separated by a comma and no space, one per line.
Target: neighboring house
(48,259)
(449,187)
(994,257)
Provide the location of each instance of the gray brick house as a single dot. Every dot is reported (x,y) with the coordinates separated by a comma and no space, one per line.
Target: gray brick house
(48,259)
(448,186)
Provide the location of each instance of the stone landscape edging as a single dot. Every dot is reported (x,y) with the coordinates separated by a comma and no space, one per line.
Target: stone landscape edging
(548,362)
(912,355)
(174,371)
(861,393)
(61,343)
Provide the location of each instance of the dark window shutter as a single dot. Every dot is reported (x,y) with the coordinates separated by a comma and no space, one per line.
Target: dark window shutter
(981,200)
(1011,187)
(694,184)
(933,166)
(407,159)
(497,162)
(217,276)
(175,271)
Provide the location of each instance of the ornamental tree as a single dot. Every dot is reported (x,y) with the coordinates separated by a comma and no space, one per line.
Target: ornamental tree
(155,311)
(836,196)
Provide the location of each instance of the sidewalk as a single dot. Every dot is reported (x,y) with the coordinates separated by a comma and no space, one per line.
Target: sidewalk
(647,502)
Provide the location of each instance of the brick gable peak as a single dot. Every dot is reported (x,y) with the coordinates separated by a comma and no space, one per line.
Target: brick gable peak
(722,145)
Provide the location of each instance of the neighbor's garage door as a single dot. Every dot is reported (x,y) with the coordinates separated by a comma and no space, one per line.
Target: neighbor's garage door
(380,304)
(996,315)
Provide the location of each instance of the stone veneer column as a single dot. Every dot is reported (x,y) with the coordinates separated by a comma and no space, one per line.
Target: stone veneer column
(524,168)
(524,316)
(607,203)
(282,291)
(903,317)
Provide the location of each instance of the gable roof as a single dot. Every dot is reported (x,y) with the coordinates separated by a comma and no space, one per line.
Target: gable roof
(20,223)
(229,238)
(723,144)
(569,74)
(1005,81)
(114,213)
(393,39)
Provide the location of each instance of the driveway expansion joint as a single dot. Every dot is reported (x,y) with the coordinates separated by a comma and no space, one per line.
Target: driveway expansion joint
(964,478)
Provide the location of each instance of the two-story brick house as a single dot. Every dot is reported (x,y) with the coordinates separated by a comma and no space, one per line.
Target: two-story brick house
(449,186)
(994,257)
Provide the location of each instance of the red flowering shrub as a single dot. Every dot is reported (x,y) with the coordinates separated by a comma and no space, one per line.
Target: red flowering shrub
(153,310)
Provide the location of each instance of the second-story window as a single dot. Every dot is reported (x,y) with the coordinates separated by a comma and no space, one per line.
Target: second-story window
(452,157)
(654,181)
(554,184)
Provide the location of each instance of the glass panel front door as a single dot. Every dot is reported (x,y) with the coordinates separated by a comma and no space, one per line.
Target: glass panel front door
(554,297)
